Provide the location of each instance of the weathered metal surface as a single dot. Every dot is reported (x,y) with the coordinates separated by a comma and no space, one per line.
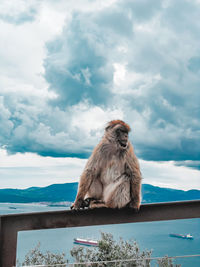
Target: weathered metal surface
(13,223)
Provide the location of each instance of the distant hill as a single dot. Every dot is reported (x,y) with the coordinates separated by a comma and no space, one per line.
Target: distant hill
(51,193)
(67,192)
(152,193)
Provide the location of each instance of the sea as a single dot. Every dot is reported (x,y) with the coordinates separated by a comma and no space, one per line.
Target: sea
(149,236)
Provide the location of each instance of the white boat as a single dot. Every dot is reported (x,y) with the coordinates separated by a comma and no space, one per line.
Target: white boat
(187,236)
(86,242)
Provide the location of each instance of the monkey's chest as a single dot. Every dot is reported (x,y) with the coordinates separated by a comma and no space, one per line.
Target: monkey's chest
(112,173)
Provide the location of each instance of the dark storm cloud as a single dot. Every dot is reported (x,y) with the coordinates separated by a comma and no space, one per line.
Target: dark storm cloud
(19,19)
(141,10)
(77,67)
(189,163)
(135,60)
(26,11)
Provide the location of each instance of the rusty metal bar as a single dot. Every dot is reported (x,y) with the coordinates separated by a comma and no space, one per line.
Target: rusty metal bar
(13,223)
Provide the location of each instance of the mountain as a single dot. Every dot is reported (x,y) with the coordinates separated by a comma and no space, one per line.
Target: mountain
(51,193)
(67,192)
(152,194)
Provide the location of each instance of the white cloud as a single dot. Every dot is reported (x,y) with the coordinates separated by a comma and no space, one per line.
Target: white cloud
(68,67)
(26,170)
(135,69)
(22,49)
(18,11)
(29,169)
(90,119)
(167,174)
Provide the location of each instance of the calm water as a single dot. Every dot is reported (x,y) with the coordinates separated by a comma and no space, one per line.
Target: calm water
(151,235)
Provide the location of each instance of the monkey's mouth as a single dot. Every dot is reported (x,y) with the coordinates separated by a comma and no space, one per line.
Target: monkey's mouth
(123,144)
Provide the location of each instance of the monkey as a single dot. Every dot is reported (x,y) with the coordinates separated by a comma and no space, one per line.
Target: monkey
(112,176)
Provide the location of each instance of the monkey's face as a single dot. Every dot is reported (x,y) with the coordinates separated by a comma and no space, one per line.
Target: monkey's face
(122,137)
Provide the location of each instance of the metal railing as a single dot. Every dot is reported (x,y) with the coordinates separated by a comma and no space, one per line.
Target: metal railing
(116,263)
(11,224)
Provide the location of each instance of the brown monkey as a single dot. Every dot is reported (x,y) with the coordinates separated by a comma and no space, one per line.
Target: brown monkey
(112,176)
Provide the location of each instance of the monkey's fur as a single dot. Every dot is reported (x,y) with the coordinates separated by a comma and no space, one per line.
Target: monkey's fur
(112,176)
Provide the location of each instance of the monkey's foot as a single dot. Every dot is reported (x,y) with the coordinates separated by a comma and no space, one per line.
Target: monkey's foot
(97,204)
(79,204)
(88,201)
(82,203)
(134,205)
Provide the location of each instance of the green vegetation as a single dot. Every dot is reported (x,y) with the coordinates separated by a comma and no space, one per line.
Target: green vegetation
(107,250)
(36,257)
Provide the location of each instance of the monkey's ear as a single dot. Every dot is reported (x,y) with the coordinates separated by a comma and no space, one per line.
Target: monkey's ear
(111,124)
(107,128)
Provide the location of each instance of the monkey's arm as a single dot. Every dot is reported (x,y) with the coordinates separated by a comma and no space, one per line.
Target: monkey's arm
(135,195)
(89,174)
(133,170)
(84,185)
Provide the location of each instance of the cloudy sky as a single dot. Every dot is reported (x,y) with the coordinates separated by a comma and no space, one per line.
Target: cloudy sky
(68,67)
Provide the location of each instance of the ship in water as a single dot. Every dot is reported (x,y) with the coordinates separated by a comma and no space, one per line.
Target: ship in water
(86,242)
(187,236)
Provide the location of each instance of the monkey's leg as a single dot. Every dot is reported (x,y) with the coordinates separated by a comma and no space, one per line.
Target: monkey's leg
(84,185)
(132,169)
(135,195)
(120,196)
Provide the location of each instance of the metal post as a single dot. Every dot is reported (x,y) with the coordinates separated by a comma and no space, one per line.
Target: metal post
(8,243)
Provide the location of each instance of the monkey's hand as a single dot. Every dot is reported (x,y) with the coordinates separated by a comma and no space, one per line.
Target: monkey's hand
(79,204)
(134,205)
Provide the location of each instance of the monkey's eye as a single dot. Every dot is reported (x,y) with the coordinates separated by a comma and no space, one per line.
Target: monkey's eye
(125,132)
(118,131)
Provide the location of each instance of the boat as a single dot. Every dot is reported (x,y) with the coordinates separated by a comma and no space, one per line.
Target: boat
(85,242)
(187,236)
